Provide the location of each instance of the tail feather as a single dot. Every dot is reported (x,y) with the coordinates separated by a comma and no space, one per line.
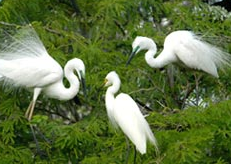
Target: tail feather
(221,58)
(151,138)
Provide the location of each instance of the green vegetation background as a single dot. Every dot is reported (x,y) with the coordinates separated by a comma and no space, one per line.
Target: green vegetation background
(100,32)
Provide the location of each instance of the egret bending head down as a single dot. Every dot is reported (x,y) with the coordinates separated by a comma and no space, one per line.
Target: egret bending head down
(184,47)
(25,62)
(123,111)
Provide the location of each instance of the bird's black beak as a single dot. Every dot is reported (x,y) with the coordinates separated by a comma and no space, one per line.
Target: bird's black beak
(83,83)
(134,51)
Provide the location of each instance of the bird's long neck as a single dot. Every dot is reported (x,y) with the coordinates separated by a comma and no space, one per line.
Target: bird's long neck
(59,91)
(150,58)
(164,58)
(110,94)
(73,81)
(150,54)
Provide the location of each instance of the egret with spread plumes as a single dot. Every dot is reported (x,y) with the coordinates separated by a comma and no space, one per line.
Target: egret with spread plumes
(25,62)
(182,47)
(123,111)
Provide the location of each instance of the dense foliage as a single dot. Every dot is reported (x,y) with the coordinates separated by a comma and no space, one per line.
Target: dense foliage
(100,33)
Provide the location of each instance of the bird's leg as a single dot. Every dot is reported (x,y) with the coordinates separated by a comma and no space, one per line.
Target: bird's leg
(170,74)
(197,90)
(28,110)
(35,139)
(187,93)
(31,110)
(39,151)
(29,114)
(42,136)
(197,79)
(134,161)
(128,150)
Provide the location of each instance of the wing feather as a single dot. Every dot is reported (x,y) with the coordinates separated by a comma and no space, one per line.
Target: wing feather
(200,55)
(24,44)
(132,122)
(40,72)
(23,56)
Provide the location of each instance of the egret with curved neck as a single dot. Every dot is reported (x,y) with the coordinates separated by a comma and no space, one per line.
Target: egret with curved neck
(25,62)
(182,47)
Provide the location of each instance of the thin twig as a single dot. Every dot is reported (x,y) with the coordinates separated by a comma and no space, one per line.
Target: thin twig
(142,89)
(8,24)
(52,31)
(120,27)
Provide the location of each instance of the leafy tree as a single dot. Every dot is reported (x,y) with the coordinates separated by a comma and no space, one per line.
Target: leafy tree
(100,33)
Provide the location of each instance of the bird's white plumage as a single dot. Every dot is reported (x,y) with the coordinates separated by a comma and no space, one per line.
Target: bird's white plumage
(41,71)
(187,48)
(25,62)
(25,43)
(124,112)
(129,118)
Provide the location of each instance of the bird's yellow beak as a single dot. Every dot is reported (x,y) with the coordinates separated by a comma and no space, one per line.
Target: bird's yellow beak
(105,82)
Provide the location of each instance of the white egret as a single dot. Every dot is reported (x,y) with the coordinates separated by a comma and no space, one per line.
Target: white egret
(124,112)
(25,62)
(182,47)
